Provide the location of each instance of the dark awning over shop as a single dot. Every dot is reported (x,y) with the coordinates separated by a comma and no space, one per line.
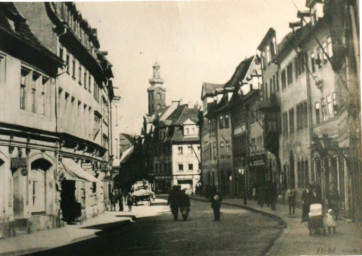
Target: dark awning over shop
(75,172)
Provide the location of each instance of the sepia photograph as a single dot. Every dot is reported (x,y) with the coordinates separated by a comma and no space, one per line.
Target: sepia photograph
(180,128)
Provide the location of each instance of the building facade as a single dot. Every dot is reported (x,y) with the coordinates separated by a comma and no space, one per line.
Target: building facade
(59,117)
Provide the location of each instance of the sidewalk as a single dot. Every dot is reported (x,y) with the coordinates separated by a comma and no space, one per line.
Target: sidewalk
(295,239)
(68,234)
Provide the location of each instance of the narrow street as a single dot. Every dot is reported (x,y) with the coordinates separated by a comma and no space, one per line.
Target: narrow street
(154,232)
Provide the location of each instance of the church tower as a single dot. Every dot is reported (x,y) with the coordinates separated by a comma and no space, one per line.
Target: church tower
(156,92)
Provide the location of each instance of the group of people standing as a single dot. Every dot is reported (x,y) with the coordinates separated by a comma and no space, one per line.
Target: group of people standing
(179,200)
(116,196)
(312,195)
(267,194)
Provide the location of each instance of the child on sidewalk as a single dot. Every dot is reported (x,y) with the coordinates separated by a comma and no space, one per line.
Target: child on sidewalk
(330,221)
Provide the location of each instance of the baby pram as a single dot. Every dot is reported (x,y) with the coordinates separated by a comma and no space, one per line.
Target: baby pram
(315,220)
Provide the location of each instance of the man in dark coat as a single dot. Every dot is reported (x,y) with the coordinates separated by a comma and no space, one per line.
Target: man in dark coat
(174,201)
(216,205)
(184,204)
(120,200)
(305,203)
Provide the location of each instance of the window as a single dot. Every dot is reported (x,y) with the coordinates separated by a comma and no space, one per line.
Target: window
(277,81)
(189,150)
(221,122)
(319,57)
(180,150)
(312,61)
(67,62)
(61,52)
(266,91)
(191,167)
(284,80)
(335,103)
(180,167)
(222,153)
(23,86)
(89,83)
(73,68)
(187,132)
(291,121)
(302,121)
(285,123)
(330,106)
(34,82)
(226,121)
(228,149)
(80,74)
(43,96)
(85,79)
(38,190)
(290,73)
(324,110)
(214,150)
(317,113)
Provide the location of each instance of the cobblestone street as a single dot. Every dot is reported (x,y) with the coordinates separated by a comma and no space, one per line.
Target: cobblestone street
(239,232)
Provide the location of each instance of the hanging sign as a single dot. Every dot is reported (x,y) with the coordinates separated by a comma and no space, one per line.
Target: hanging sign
(18,162)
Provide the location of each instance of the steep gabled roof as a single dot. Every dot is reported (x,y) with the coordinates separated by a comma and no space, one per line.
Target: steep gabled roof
(208,89)
(13,25)
(188,113)
(239,73)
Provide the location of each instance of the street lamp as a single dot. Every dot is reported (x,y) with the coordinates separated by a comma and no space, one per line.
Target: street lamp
(242,171)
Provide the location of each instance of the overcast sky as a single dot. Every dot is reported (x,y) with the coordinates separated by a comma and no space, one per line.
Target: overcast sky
(193,41)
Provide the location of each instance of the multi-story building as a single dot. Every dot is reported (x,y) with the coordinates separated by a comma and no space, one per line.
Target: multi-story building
(208,136)
(249,156)
(167,131)
(28,140)
(220,124)
(306,123)
(83,96)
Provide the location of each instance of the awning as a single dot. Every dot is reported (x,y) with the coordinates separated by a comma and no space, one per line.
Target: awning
(74,172)
(124,157)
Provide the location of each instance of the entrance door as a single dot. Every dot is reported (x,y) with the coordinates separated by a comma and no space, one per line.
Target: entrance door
(70,208)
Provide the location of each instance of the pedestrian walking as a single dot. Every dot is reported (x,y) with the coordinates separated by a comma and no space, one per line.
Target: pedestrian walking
(184,204)
(216,205)
(291,200)
(305,203)
(273,195)
(113,198)
(330,221)
(261,195)
(174,201)
(120,200)
(129,201)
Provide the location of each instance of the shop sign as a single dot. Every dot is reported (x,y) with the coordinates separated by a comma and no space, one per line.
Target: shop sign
(257,162)
(18,162)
